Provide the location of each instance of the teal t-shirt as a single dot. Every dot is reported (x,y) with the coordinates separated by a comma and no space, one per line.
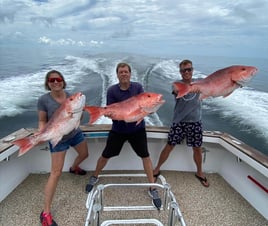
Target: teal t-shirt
(187,108)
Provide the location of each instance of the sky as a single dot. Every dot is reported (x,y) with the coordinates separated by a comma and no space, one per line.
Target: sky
(162,27)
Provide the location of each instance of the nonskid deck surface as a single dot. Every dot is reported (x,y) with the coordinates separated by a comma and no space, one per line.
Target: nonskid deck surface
(217,205)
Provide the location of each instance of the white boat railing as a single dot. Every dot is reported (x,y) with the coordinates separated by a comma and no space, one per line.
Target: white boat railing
(96,205)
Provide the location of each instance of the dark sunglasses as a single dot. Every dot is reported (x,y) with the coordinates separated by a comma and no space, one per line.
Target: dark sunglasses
(59,79)
(186,70)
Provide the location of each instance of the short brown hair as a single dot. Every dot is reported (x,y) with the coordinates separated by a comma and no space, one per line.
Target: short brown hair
(184,62)
(47,77)
(123,65)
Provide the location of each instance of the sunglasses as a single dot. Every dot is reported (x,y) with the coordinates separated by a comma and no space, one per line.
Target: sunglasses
(186,70)
(59,79)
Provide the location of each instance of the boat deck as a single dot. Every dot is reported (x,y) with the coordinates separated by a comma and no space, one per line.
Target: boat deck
(217,205)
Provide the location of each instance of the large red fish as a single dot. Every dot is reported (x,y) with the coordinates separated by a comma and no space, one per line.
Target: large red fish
(133,109)
(220,83)
(63,121)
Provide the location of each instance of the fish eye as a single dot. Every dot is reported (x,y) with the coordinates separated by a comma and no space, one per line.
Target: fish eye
(71,99)
(148,95)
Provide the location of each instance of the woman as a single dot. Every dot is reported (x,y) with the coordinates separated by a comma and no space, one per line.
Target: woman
(47,105)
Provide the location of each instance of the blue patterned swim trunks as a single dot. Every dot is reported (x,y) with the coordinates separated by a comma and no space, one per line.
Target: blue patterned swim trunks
(192,131)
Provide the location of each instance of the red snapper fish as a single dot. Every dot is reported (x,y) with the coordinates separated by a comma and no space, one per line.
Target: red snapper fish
(220,83)
(63,121)
(134,109)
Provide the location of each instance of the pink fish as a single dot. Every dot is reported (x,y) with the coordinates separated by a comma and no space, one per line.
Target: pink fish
(63,121)
(220,83)
(133,109)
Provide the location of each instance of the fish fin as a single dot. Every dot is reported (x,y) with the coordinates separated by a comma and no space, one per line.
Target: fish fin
(55,141)
(181,89)
(70,114)
(139,121)
(94,112)
(25,144)
(137,116)
(110,114)
(152,109)
(77,124)
(202,96)
(227,94)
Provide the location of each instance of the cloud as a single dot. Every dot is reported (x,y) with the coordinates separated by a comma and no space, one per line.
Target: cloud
(45,40)
(68,42)
(47,21)
(220,27)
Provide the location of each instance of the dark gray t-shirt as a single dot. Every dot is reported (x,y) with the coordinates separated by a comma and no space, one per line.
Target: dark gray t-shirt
(47,104)
(187,108)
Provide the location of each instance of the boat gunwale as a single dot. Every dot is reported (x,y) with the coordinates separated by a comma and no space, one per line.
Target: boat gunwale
(251,152)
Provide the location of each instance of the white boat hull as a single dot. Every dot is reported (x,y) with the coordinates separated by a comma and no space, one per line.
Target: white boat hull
(241,166)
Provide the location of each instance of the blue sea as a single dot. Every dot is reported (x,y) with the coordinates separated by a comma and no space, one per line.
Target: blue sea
(243,114)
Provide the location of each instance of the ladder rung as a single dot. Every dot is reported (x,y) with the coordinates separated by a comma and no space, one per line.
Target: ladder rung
(116,208)
(132,221)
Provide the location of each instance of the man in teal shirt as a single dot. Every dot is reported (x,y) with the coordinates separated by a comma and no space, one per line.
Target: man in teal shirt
(186,124)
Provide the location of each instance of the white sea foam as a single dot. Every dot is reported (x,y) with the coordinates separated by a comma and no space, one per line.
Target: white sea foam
(19,93)
(244,106)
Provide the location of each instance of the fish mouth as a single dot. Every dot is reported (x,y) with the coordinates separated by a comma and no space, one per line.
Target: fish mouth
(82,99)
(158,103)
(82,102)
(161,100)
(244,80)
(254,71)
(155,105)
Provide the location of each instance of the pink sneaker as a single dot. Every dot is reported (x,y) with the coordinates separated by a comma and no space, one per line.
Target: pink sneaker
(46,219)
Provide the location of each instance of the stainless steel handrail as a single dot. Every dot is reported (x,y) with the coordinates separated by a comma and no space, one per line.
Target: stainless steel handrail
(95,203)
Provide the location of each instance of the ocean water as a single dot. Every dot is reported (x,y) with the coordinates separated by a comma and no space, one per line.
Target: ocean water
(243,114)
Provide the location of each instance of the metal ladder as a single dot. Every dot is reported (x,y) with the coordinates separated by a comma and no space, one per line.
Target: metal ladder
(96,205)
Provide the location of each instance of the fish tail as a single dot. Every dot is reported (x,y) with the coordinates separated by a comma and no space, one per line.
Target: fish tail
(94,112)
(181,89)
(25,144)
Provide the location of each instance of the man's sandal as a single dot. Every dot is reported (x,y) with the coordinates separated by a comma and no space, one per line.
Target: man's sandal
(202,180)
